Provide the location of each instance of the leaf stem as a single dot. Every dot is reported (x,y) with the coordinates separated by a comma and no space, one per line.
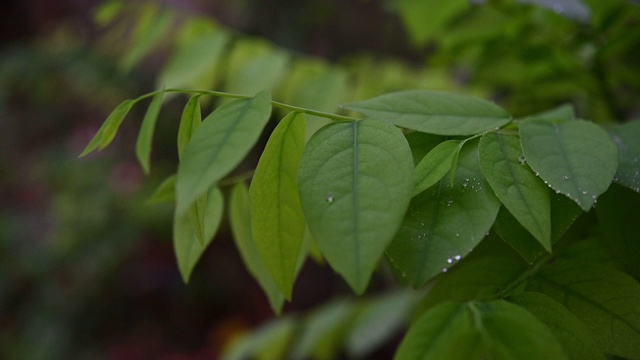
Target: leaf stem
(528,273)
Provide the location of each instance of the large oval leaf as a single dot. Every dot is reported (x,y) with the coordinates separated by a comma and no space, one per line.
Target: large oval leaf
(444,223)
(576,158)
(186,245)
(276,214)
(517,187)
(434,112)
(355,183)
(218,145)
(479,330)
(605,299)
(240,219)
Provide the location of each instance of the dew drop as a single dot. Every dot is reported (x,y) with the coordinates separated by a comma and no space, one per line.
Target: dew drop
(584,192)
(457,257)
(330,199)
(457,234)
(449,260)
(521,159)
(565,177)
(444,269)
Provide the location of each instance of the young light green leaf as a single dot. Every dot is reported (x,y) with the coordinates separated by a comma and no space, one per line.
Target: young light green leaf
(324,330)
(627,137)
(165,193)
(576,158)
(426,19)
(240,219)
(187,247)
(517,187)
(605,299)
(355,182)
(564,212)
(434,112)
(145,137)
(576,339)
(444,223)
(276,214)
(479,330)
(435,165)
(218,145)
(109,128)
(189,122)
(269,342)
(152,25)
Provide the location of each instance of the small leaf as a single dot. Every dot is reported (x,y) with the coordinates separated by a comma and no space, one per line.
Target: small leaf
(109,128)
(444,223)
(189,122)
(186,245)
(277,219)
(627,138)
(269,342)
(577,341)
(517,187)
(143,144)
(240,219)
(479,330)
(165,193)
(218,145)
(434,112)
(150,30)
(355,182)
(576,158)
(435,165)
(605,299)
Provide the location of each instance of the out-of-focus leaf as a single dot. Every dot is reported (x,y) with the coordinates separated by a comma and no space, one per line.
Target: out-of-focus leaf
(627,138)
(151,28)
(269,342)
(145,137)
(165,193)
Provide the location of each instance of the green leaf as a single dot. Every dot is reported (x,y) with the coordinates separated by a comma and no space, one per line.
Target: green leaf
(426,19)
(194,60)
(255,66)
(479,330)
(576,339)
(218,145)
(355,182)
(576,158)
(378,321)
(277,219)
(434,112)
(564,212)
(165,193)
(517,187)
(562,112)
(153,23)
(109,128)
(197,217)
(627,138)
(145,137)
(323,331)
(269,342)
(605,299)
(435,165)
(189,122)
(187,247)
(240,219)
(444,223)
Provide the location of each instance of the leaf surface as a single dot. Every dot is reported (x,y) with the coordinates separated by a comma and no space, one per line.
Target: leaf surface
(145,136)
(627,138)
(218,145)
(444,223)
(355,182)
(517,187)
(189,121)
(434,112)
(605,299)
(576,158)
(435,165)
(186,245)
(165,193)
(276,214)
(109,128)
(240,219)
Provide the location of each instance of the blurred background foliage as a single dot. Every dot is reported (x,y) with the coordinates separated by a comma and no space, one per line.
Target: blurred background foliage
(87,270)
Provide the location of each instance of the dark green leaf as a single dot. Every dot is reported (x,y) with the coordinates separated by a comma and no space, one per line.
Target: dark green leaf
(187,247)
(165,193)
(576,158)
(562,112)
(605,299)
(255,66)
(478,330)
(576,339)
(109,128)
(627,138)
(435,165)
(517,187)
(355,183)
(189,122)
(145,137)
(276,214)
(218,145)
(434,112)
(240,219)
(444,223)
